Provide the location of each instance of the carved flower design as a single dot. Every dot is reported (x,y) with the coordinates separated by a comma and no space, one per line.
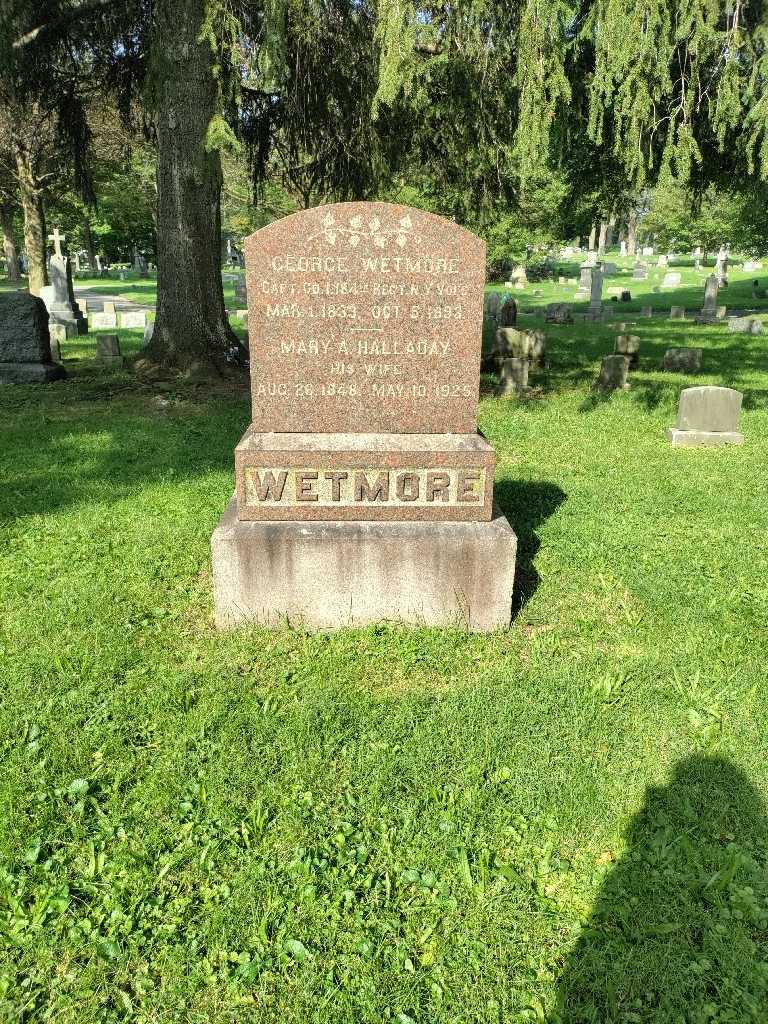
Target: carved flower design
(359,228)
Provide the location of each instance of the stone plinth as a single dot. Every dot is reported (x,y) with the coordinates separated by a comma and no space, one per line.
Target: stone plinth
(364,476)
(702,438)
(327,575)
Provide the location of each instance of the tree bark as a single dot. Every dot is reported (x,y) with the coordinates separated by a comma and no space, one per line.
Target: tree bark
(34,221)
(9,241)
(611,231)
(632,233)
(592,238)
(602,237)
(88,238)
(191,330)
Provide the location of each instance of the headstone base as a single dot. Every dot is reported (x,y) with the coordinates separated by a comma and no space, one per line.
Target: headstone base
(702,438)
(465,463)
(328,575)
(110,360)
(30,373)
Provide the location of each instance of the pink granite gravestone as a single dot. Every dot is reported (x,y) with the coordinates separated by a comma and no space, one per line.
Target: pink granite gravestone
(365,325)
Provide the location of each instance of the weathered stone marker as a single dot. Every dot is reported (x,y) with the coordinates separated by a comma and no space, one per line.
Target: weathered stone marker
(683,360)
(513,377)
(559,313)
(613,373)
(59,295)
(707,416)
(25,346)
(709,313)
(508,310)
(364,491)
(134,318)
(745,325)
(108,350)
(596,296)
(101,320)
(629,345)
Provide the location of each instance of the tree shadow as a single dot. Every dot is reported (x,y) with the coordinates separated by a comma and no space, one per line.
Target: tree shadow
(679,932)
(527,504)
(596,398)
(101,436)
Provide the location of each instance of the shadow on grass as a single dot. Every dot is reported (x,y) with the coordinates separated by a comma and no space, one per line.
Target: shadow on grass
(101,436)
(527,504)
(680,926)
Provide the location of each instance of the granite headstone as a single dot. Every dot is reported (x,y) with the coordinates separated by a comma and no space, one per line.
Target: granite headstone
(364,491)
(25,344)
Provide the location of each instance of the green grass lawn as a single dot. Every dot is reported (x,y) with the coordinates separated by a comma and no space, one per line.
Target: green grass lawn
(564,822)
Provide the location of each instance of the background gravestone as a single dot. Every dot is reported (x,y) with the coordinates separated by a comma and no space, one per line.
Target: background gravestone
(745,325)
(108,350)
(707,416)
(629,345)
(683,360)
(614,370)
(363,488)
(59,295)
(133,319)
(101,320)
(25,347)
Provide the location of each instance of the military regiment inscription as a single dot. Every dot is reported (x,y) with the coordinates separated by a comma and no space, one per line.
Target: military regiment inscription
(365,317)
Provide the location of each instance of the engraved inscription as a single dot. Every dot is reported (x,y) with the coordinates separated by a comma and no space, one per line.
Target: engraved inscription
(373,485)
(365,316)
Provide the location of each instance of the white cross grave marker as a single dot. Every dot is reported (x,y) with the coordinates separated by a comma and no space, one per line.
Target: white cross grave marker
(57,239)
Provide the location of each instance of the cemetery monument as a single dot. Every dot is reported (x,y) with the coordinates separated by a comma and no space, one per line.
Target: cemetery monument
(59,295)
(364,491)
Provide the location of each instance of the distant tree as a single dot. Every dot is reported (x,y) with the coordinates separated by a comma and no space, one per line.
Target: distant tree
(9,205)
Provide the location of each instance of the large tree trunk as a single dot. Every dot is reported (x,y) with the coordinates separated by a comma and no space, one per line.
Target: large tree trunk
(9,241)
(602,237)
(191,330)
(34,221)
(88,239)
(610,232)
(632,233)
(592,238)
